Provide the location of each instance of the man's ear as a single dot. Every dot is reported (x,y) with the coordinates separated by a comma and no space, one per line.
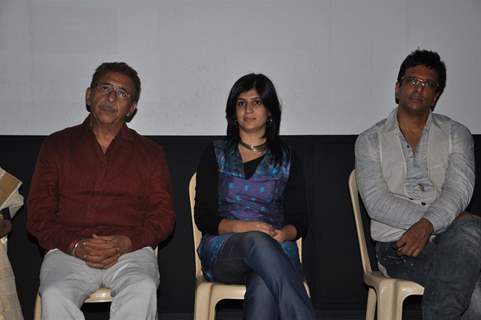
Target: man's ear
(132,112)
(436,97)
(88,96)
(397,87)
(132,109)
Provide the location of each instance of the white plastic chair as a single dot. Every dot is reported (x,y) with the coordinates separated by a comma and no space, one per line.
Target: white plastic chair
(387,293)
(99,296)
(208,294)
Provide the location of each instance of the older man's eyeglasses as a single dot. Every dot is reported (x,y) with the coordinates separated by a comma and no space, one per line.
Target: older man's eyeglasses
(416,83)
(107,88)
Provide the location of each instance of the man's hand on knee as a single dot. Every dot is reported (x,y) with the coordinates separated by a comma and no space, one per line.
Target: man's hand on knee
(415,238)
(466,214)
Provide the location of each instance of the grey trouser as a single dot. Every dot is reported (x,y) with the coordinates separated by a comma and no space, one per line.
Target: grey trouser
(66,281)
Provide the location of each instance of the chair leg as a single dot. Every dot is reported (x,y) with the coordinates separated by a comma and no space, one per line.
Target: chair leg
(399,302)
(214,299)
(385,303)
(202,301)
(212,305)
(38,308)
(371,304)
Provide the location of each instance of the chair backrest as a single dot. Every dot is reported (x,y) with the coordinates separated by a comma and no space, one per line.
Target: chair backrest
(198,235)
(356,208)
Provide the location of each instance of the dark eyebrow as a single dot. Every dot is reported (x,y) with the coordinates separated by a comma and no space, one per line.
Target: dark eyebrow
(256,97)
(110,84)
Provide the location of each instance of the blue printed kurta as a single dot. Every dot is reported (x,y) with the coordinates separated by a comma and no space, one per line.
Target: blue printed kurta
(258,198)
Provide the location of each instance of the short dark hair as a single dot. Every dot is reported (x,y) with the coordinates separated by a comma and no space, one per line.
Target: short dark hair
(267,92)
(427,58)
(119,67)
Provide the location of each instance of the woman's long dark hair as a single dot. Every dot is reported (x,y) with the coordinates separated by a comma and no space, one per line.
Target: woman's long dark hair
(267,92)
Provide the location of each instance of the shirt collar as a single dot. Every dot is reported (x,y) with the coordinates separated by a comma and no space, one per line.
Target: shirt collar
(392,123)
(125,132)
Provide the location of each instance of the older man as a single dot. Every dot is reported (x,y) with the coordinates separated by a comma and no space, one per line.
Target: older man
(99,202)
(415,171)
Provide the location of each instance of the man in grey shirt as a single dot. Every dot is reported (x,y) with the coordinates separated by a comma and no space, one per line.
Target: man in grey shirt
(415,171)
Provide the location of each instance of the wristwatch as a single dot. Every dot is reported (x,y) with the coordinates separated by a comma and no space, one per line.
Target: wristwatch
(5,214)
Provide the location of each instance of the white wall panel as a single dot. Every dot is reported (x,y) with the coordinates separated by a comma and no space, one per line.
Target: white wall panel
(334,63)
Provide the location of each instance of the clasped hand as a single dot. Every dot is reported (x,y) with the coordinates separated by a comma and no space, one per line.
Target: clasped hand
(102,251)
(245,226)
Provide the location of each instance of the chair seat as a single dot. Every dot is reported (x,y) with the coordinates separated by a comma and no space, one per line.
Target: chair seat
(100,295)
(233,291)
(377,280)
(222,291)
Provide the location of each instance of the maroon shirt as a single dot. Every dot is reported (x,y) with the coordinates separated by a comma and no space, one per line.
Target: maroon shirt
(77,190)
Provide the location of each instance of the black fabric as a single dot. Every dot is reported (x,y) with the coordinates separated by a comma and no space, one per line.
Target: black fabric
(330,251)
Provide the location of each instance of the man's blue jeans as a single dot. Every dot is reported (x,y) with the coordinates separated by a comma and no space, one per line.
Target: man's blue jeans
(449,268)
(275,288)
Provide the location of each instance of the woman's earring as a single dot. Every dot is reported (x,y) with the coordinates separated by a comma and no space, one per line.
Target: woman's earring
(269,122)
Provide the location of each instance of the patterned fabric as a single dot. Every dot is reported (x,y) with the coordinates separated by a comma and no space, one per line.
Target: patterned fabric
(258,198)
(9,304)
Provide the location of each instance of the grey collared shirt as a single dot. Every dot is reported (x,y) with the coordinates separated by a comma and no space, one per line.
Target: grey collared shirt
(401,213)
(417,183)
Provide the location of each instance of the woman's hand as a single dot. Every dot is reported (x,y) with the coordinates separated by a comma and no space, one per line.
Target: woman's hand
(288,232)
(226,226)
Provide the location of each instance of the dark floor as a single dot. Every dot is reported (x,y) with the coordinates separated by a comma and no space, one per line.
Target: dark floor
(325,315)
(232,310)
(411,312)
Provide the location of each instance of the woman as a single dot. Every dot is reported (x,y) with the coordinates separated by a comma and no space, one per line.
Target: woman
(250,206)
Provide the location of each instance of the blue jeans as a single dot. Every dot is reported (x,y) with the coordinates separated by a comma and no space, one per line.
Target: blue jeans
(275,288)
(449,268)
